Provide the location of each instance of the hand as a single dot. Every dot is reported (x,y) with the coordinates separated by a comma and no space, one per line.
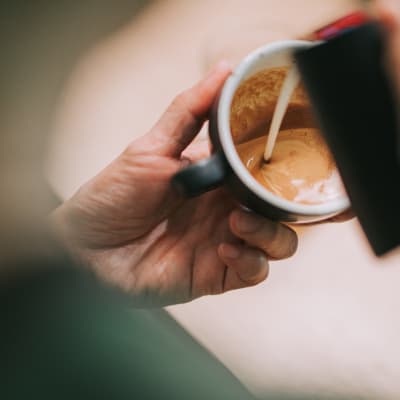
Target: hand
(131,228)
(388,12)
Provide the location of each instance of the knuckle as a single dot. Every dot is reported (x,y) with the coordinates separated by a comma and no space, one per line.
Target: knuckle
(184,100)
(182,106)
(179,100)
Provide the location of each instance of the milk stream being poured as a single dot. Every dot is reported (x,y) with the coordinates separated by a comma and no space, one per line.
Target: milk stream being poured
(289,85)
(301,168)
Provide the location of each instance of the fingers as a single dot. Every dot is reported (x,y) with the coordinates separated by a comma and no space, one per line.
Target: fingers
(184,117)
(388,12)
(276,240)
(344,216)
(197,150)
(251,265)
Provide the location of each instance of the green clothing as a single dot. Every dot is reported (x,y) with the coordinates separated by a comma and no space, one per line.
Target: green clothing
(65,337)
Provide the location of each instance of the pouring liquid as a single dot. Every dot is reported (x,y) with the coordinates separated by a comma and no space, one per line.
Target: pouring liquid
(301,169)
(289,85)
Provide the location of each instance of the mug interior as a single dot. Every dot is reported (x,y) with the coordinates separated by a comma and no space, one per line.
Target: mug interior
(277,54)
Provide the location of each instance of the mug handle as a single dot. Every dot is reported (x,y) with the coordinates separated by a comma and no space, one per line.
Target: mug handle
(202,176)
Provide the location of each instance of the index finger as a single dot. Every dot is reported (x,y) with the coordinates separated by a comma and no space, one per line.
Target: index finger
(183,119)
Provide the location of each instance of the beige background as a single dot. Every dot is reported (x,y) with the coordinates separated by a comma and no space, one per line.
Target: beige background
(327,320)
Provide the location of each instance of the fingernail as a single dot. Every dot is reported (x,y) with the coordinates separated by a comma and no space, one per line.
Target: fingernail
(229,251)
(248,222)
(261,274)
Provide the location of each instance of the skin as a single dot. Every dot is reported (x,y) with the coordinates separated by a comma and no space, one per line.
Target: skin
(135,232)
(388,12)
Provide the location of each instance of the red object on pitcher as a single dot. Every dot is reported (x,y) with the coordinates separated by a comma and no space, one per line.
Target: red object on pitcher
(342,24)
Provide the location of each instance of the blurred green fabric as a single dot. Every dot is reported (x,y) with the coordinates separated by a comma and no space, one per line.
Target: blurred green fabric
(64,336)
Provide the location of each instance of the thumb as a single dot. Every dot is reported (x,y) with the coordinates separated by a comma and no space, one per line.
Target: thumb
(388,12)
(184,118)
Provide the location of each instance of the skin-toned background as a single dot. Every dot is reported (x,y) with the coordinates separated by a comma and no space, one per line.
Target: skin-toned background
(326,321)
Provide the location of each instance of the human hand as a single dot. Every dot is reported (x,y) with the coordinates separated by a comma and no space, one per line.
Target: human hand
(388,12)
(136,232)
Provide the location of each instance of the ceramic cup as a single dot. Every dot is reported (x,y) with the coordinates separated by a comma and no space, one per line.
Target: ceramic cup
(224,166)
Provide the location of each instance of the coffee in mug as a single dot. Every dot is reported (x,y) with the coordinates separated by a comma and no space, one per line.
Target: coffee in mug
(301,168)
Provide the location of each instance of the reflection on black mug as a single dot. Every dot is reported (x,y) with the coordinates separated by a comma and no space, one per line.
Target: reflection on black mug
(225,166)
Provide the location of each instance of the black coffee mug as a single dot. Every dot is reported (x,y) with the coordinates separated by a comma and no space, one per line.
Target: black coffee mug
(225,167)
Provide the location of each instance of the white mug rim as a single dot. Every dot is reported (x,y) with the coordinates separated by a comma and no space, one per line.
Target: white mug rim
(331,207)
